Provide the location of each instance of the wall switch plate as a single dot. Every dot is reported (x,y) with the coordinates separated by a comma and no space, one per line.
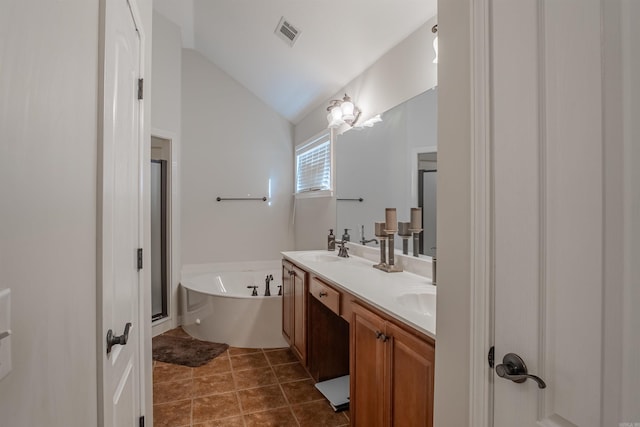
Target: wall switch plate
(5,332)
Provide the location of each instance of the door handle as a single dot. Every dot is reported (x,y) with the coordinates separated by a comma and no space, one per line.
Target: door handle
(122,339)
(514,369)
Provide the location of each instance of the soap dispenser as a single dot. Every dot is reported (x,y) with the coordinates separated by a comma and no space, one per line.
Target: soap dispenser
(331,241)
(345,236)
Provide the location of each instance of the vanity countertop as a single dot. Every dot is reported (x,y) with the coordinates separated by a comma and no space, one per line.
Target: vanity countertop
(403,296)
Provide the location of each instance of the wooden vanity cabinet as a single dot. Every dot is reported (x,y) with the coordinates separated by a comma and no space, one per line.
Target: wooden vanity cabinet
(294,308)
(334,333)
(391,373)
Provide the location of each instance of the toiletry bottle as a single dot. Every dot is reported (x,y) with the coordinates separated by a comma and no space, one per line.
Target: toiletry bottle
(331,241)
(345,236)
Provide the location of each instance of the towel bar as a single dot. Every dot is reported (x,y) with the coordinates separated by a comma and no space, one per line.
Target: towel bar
(220,199)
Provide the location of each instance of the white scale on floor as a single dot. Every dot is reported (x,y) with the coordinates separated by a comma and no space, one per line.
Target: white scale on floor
(336,391)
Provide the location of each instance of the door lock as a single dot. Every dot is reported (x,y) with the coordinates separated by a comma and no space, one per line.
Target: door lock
(514,369)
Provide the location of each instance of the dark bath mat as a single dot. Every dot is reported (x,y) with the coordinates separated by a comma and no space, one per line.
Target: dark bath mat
(186,351)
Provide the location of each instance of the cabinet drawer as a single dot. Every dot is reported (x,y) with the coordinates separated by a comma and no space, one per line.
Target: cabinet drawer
(325,294)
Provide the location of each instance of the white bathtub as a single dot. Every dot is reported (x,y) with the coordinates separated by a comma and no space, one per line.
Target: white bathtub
(218,306)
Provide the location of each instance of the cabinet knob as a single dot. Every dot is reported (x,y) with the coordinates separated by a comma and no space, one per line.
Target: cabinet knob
(322,294)
(381,336)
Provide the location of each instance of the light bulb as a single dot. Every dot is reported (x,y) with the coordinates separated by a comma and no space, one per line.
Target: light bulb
(334,119)
(336,114)
(347,111)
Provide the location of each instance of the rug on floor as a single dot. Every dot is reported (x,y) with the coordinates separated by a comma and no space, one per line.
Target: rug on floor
(181,350)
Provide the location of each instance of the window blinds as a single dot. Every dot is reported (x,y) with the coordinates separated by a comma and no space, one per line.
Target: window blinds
(313,165)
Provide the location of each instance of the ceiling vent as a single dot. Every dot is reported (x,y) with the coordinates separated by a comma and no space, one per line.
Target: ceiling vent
(287,32)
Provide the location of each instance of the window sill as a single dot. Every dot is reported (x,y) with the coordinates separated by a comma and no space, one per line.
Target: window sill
(314,194)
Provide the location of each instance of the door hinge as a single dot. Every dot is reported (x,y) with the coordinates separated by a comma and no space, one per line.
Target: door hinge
(491,356)
(139,259)
(141,424)
(140,88)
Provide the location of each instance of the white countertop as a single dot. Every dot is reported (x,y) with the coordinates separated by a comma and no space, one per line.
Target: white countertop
(380,289)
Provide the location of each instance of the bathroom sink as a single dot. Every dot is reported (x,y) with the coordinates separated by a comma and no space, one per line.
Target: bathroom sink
(423,302)
(320,257)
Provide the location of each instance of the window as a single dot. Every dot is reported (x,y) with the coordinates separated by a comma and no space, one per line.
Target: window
(313,166)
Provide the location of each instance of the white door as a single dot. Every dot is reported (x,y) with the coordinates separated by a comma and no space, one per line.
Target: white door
(548,209)
(119,220)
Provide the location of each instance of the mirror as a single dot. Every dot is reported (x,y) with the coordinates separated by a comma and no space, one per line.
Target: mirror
(392,164)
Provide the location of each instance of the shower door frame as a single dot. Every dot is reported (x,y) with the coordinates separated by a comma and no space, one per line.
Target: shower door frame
(170,151)
(421,173)
(164,245)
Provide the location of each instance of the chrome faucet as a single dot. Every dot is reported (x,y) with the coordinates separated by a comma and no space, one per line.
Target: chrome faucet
(364,241)
(342,250)
(267,281)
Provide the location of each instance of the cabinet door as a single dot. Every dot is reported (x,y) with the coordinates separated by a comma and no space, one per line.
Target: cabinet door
(299,344)
(367,368)
(410,368)
(287,301)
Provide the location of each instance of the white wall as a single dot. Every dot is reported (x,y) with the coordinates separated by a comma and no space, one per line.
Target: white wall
(48,173)
(630,14)
(48,84)
(454,215)
(166,122)
(614,227)
(402,73)
(166,72)
(313,219)
(232,146)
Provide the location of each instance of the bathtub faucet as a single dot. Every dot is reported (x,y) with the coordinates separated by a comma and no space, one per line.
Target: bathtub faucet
(267,281)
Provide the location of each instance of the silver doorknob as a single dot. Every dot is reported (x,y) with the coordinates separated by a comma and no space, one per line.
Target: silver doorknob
(514,369)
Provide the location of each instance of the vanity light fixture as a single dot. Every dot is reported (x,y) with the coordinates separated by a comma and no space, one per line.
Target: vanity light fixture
(342,111)
(434,30)
(369,123)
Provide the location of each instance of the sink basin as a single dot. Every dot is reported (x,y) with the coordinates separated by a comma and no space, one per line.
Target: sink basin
(423,302)
(320,257)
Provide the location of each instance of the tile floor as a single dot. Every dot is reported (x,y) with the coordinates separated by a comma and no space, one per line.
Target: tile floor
(244,388)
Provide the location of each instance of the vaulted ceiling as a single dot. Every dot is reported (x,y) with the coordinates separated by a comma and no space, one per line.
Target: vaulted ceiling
(338,40)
